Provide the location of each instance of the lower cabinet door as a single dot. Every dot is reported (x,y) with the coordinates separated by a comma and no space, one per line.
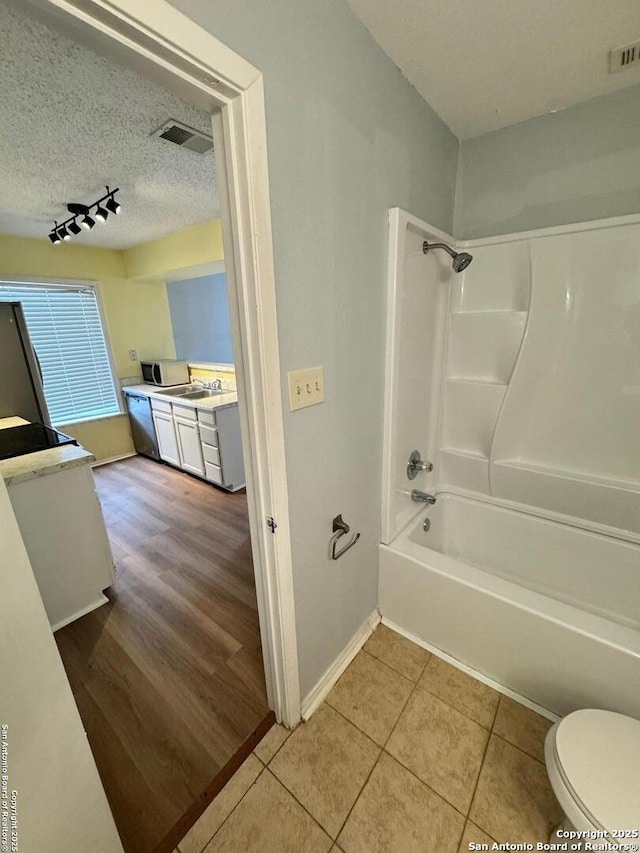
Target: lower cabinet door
(189,446)
(166,434)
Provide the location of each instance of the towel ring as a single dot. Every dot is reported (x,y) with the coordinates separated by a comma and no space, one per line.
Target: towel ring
(340,529)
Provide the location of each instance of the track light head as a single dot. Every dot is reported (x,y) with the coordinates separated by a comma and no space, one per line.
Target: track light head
(82,212)
(64,233)
(74,227)
(113,205)
(101,214)
(54,236)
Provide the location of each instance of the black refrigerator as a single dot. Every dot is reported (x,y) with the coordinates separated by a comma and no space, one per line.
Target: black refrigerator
(21,392)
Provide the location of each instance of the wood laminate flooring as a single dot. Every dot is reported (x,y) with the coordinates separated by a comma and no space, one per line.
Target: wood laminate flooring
(168,676)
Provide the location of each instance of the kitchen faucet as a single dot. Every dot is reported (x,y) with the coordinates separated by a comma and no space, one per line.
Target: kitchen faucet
(214,385)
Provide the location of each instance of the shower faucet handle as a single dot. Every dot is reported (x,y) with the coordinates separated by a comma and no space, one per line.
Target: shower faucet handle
(415,465)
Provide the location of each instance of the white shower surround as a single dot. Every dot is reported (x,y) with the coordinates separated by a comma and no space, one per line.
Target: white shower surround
(561,629)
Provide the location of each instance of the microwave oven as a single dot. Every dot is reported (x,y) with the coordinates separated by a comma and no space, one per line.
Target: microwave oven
(166,371)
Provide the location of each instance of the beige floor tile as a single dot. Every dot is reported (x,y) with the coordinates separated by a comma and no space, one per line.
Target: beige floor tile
(441,746)
(271,743)
(396,813)
(269,819)
(325,764)
(514,801)
(371,695)
(397,652)
(522,727)
(473,835)
(221,807)
(468,695)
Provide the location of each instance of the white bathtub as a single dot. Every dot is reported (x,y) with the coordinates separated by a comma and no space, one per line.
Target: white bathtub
(550,611)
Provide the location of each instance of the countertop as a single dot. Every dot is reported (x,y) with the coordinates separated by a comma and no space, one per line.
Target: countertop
(28,466)
(218,401)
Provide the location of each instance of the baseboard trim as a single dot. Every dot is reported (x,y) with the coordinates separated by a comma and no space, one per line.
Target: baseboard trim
(100,462)
(500,688)
(316,696)
(83,612)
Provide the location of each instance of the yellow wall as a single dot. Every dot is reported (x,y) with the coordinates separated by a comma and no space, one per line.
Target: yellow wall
(184,250)
(106,438)
(137,315)
(136,312)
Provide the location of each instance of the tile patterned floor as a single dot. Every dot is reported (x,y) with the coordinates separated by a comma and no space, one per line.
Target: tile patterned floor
(407,755)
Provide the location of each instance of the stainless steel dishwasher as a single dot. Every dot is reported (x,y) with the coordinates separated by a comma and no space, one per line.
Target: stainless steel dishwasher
(142,426)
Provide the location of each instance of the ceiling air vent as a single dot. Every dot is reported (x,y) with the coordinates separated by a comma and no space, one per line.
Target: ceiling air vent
(184,136)
(624,57)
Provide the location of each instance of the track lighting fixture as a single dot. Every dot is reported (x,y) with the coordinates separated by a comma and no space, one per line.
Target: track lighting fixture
(81,216)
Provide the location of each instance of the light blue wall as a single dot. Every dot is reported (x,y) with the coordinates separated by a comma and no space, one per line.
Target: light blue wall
(580,164)
(200,318)
(348,137)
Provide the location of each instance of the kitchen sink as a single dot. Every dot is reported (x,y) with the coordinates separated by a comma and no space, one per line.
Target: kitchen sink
(180,391)
(200,395)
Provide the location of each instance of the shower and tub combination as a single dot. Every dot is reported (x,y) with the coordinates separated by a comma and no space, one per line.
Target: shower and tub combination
(511,482)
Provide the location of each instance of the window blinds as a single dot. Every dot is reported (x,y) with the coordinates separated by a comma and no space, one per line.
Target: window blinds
(66,331)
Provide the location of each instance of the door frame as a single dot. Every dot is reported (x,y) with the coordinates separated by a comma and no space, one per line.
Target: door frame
(166,46)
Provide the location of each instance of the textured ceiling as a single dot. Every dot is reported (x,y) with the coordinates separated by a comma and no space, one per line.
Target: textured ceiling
(487,64)
(73,122)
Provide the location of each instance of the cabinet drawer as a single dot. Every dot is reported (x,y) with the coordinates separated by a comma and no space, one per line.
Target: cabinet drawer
(161,406)
(207,417)
(209,434)
(210,453)
(188,413)
(213,473)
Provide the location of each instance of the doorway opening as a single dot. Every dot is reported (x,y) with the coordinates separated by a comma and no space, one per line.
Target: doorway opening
(196,563)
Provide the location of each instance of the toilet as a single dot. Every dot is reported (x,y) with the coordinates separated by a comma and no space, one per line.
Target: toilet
(593,762)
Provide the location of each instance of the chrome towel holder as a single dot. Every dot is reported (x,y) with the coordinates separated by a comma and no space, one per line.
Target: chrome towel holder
(340,529)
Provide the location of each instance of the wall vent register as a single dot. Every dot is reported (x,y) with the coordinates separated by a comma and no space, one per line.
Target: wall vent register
(622,58)
(184,136)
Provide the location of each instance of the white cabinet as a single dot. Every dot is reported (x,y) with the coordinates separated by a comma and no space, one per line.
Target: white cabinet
(204,441)
(166,434)
(189,445)
(222,447)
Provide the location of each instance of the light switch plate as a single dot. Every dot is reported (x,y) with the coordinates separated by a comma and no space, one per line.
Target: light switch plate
(306,387)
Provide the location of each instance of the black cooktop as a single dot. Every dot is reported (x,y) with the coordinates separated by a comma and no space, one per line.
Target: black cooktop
(29,438)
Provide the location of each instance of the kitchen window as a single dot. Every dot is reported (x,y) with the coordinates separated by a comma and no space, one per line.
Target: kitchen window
(66,330)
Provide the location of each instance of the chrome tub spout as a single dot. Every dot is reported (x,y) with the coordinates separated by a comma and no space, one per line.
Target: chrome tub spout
(422,497)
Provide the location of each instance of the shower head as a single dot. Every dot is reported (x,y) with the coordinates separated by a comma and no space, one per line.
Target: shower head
(461,260)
